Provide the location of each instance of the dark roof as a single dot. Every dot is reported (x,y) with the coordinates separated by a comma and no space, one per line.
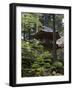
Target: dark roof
(47,33)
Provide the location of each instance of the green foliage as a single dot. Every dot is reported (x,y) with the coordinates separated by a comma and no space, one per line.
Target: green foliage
(36,61)
(29,21)
(58,64)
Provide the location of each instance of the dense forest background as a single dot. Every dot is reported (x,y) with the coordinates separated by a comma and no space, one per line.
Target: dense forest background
(37,58)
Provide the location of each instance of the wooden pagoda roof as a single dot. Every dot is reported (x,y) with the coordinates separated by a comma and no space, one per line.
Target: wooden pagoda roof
(46,33)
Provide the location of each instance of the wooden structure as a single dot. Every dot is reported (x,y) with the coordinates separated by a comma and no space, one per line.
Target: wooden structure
(46,36)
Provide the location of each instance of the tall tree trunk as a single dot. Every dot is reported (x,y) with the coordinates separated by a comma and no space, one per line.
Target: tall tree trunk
(54,40)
